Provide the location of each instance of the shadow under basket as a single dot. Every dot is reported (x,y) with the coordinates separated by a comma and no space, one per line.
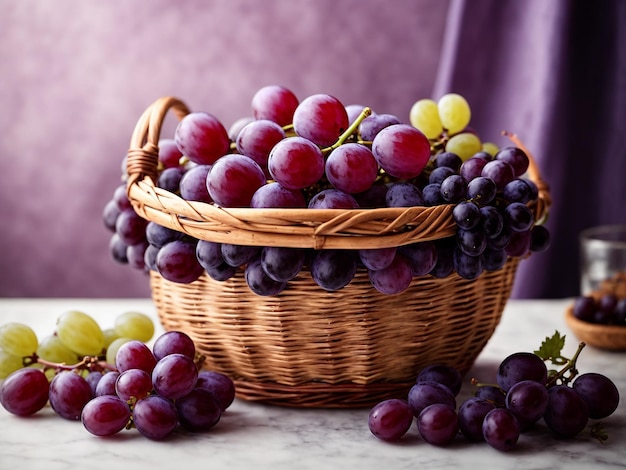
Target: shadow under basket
(310,348)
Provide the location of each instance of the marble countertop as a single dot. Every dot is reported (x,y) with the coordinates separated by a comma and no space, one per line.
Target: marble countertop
(252,435)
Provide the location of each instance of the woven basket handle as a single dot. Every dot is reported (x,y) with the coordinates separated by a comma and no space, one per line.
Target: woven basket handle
(143,154)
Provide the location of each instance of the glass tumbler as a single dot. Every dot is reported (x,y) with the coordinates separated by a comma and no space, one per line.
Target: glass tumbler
(603,259)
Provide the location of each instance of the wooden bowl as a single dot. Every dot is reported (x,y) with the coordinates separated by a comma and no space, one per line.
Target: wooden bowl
(609,337)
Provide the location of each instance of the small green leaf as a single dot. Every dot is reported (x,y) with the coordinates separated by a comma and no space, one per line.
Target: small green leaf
(551,348)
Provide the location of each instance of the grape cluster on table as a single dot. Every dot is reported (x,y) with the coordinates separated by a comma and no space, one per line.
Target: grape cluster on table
(319,154)
(111,380)
(497,414)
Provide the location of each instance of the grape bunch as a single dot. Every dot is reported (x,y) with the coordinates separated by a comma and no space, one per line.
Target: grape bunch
(319,154)
(525,392)
(605,309)
(111,380)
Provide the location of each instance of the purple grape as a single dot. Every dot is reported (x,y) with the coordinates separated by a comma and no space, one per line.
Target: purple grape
(174,376)
(467,215)
(491,393)
(158,235)
(467,266)
(130,227)
(351,168)
(177,262)
(439,174)
(471,414)
(332,199)
(259,282)
(518,217)
(500,172)
(133,383)
(233,180)
(448,159)
(517,190)
(519,244)
(472,168)
(193,184)
(320,118)
(514,157)
(373,197)
(390,419)
(445,258)
(584,307)
(282,264)
(149,257)
(521,366)
(607,303)
(426,393)
(393,279)
(481,190)
(209,254)
(275,103)
(136,255)
(485,156)
(354,111)
(134,355)
(92,378)
(438,424)
(374,123)
(422,257)
(222,272)
(155,417)
(121,198)
(202,138)
(110,214)
(405,140)
(619,315)
(377,258)
(471,242)
(169,154)
(527,400)
(567,413)
(24,392)
(493,260)
(296,163)
(404,195)
(169,179)
(198,411)
(454,189)
(238,255)
(257,139)
(333,269)
(220,385)
(491,222)
(68,394)
(500,240)
(432,195)
(106,385)
(274,195)
(539,239)
(501,429)
(443,374)
(174,342)
(599,393)
(105,415)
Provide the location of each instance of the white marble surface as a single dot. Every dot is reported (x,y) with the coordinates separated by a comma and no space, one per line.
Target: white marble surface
(252,435)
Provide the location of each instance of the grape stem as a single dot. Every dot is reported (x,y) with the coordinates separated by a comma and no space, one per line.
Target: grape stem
(91,363)
(570,369)
(349,131)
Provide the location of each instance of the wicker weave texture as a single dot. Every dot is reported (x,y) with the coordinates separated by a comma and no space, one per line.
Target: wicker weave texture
(303,346)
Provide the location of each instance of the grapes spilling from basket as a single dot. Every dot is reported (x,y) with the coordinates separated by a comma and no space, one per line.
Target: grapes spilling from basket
(524,395)
(319,154)
(110,380)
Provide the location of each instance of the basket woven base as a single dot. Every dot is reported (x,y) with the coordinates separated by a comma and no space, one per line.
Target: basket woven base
(350,348)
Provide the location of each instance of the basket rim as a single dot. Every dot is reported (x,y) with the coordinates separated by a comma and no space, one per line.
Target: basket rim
(362,228)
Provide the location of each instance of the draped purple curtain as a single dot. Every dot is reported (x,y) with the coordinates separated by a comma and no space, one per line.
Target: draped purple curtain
(553,72)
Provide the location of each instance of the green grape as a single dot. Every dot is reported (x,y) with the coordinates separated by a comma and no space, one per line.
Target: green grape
(18,339)
(113,347)
(109,336)
(454,112)
(81,333)
(464,145)
(134,325)
(490,148)
(9,364)
(52,349)
(424,115)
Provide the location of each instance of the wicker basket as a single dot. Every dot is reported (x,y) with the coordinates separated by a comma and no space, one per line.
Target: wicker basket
(306,346)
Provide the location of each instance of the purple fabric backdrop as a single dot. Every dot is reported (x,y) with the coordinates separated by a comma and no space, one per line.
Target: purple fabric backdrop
(76,75)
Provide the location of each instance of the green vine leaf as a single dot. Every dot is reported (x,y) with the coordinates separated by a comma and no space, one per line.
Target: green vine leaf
(551,348)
